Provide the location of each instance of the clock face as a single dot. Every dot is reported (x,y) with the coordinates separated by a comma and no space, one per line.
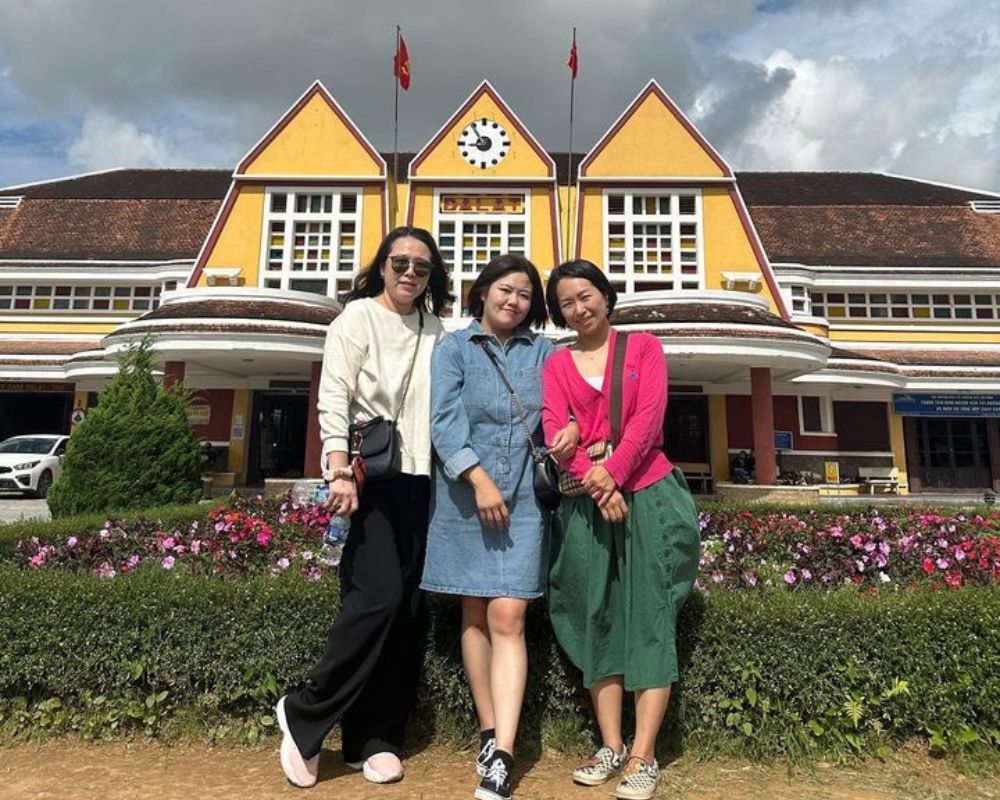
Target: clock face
(483,143)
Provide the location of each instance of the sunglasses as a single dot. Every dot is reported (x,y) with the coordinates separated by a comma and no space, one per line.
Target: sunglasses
(400,265)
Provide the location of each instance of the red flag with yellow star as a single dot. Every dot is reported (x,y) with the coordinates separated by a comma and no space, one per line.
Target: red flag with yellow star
(401,64)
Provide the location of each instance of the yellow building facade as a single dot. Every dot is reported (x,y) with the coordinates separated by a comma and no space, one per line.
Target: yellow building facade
(820,328)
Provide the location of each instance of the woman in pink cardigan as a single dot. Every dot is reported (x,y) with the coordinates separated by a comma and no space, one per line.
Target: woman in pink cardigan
(624,555)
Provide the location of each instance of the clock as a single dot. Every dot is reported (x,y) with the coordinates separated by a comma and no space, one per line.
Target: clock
(483,143)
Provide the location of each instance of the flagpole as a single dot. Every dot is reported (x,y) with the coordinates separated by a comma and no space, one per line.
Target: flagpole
(395,134)
(569,156)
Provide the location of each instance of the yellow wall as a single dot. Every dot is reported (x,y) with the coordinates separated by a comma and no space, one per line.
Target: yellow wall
(727,246)
(372,222)
(92,328)
(875,335)
(237,447)
(543,238)
(592,234)
(445,160)
(898,448)
(653,142)
(314,142)
(238,244)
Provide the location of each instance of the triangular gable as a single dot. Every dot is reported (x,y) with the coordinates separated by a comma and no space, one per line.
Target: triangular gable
(314,137)
(652,138)
(441,158)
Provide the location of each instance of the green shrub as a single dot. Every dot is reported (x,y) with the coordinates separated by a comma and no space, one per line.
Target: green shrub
(763,673)
(136,449)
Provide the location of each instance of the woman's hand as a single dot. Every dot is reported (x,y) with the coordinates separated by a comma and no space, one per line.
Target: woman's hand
(599,483)
(614,508)
(343,496)
(490,506)
(564,443)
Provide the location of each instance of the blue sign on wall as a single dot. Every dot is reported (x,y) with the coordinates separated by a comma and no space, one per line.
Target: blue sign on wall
(782,440)
(947,405)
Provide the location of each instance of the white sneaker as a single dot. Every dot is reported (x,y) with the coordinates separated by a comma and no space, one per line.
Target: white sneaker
(301,772)
(386,769)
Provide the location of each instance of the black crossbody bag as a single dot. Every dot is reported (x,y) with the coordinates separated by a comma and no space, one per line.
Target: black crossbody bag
(377,440)
(546,472)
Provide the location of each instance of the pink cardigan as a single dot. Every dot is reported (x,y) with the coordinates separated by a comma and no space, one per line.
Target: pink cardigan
(638,460)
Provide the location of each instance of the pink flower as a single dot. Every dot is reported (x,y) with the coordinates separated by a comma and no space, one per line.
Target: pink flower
(168,543)
(806,575)
(131,562)
(71,542)
(943,563)
(168,562)
(959,554)
(196,546)
(856,540)
(283,563)
(790,577)
(264,537)
(36,561)
(314,574)
(307,555)
(105,570)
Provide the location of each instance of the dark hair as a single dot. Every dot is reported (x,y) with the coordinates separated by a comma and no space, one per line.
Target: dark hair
(494,271)
(577,269)
(371,283)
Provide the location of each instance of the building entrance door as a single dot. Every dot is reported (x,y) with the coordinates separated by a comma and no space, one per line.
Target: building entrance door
(277,436)
(34,412)
(952,453)
(685,429)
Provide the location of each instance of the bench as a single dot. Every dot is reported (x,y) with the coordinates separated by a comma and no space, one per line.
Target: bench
(698,475)
(880,476)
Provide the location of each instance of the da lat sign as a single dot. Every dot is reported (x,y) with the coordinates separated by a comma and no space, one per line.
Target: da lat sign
(947,405)
(482,204)
(831,471)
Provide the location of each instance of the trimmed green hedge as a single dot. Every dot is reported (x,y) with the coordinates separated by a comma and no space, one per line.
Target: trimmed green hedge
(763,673)
(59,529)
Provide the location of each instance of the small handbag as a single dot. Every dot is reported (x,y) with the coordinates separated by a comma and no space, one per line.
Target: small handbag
(376,441)
(599,452)
(545,478)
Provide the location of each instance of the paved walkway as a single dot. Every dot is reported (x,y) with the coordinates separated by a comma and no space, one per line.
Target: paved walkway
(15,507)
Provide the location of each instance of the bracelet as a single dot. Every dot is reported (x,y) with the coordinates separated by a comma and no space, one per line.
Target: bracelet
(339,472)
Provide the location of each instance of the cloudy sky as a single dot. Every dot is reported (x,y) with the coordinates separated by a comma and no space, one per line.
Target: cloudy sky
(904,86)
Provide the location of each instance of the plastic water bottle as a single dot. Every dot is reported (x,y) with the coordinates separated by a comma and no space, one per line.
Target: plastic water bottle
(304,491)
(321,494)
(334,539)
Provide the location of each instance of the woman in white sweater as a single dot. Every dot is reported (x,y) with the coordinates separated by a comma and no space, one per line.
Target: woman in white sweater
(376,363)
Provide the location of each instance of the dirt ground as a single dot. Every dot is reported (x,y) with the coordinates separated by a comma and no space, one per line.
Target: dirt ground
(72,770)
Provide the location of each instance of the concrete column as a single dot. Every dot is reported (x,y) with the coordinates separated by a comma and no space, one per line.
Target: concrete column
(897,441)
(238,433)
(314,445)
(763,425)
(173,372)
(718,436)
(993,438)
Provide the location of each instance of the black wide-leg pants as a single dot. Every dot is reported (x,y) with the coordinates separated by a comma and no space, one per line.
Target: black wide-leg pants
(367,677)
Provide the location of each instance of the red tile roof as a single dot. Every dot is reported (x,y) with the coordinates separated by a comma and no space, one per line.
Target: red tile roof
(113,229)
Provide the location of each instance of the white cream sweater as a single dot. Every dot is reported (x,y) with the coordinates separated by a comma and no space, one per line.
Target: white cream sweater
(365,361)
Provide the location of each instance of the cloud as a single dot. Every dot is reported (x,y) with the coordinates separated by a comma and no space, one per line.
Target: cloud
(106,141)
(776,84)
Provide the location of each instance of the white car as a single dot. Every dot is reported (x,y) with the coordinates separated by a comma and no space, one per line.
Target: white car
(31,464)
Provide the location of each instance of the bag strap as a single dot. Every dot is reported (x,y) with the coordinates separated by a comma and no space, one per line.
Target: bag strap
(409,374)
(617,374)
(536,454)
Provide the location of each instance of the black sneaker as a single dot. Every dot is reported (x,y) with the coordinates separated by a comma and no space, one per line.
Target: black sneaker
(496,783)
(487,744)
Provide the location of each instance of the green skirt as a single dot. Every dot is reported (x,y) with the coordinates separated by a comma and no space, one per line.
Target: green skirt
(615,589)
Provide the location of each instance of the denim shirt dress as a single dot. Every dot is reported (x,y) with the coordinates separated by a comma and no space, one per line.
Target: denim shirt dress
(474,421)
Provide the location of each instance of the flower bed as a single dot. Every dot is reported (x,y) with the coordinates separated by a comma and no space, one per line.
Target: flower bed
(741,549)
(873,549)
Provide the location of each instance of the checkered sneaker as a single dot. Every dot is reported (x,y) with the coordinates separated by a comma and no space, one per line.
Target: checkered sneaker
(639,780)
(600,767)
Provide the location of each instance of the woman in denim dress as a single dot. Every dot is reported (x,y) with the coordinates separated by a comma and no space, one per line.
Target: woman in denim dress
(487,536)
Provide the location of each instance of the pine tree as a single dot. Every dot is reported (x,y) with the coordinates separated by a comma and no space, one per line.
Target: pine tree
(135,450)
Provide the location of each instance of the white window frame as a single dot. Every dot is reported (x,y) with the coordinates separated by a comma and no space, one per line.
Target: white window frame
(332,274)
(78,302)
(825,417)
(910,305)
(458,274)
(675,280)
